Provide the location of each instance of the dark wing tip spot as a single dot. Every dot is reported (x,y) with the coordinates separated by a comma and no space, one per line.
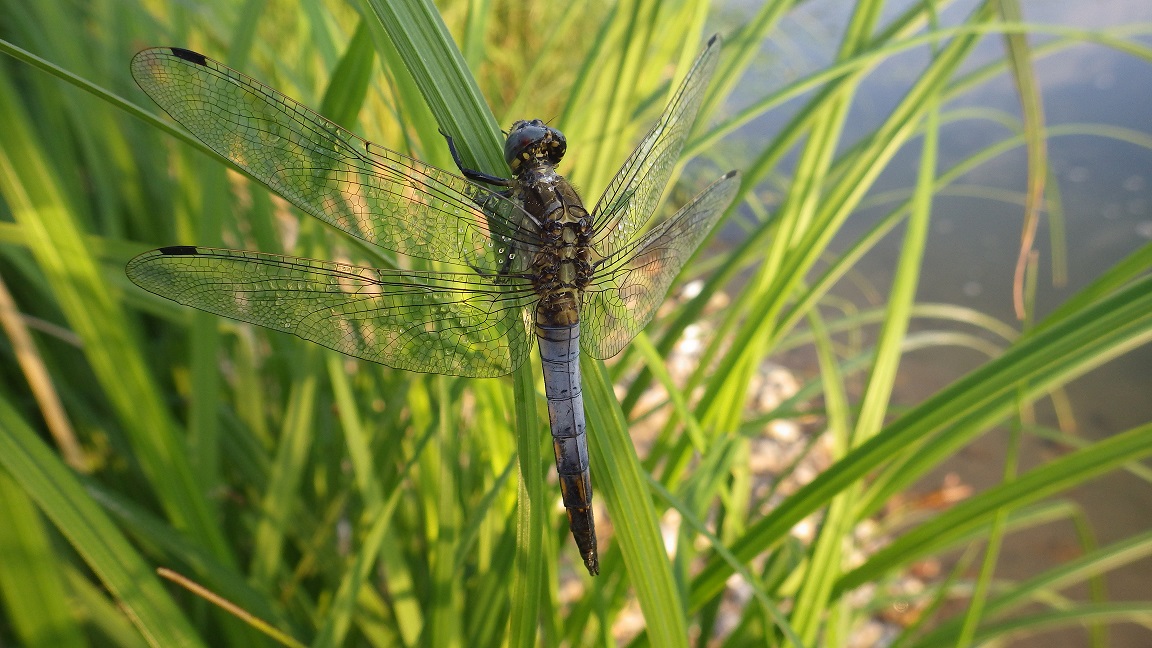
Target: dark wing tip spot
(715,39)
(179,250)
(731,174)
(189,55)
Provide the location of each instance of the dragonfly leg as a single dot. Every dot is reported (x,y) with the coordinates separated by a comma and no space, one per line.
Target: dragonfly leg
(472,174)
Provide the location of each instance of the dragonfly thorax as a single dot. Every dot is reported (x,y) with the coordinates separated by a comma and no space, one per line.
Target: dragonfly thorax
(532,143)
(562,265)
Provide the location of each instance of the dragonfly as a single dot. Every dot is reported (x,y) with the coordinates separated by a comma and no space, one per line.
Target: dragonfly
(533,261)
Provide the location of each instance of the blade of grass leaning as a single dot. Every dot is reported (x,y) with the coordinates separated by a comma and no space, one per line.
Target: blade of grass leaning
(620,480)
(826,554)
(438,68)
(997,520)
(114,560)
(900,474)
(1054,477)
(207,209)
(432,58)
(1076,616)
(112,98)
(350,80)
(445,606)
(84,295)
(105,617)
(1044,360)
(281,496)
(881,378)
(36,608)
(1074,572)
(758,592)
(1020,65)
(258,624)
(357,439)
(1031,516)
(528,584)
(344,609)
(177,549)
(39,379)
(343,612)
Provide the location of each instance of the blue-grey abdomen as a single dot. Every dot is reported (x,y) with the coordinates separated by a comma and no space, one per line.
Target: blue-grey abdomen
(560,355)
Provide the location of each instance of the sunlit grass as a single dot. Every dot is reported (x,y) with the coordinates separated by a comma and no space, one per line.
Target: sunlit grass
(345,503)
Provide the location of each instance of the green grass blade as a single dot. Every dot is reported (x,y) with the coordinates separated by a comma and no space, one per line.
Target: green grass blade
(531,571)
(281,499)
(1044,360)
(116,562)
(31,580)
(1075,617)
(1076,571)
(1054,477)
(619,479)
(431,57)
(84,295)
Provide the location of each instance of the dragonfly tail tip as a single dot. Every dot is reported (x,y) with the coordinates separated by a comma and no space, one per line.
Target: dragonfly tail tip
(592,562)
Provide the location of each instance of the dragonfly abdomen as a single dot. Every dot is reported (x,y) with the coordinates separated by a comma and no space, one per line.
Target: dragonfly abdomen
(560,356)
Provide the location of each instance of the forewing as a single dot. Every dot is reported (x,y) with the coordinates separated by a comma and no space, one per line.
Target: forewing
(628,288)
(446,323)
(370,192)
(632,195)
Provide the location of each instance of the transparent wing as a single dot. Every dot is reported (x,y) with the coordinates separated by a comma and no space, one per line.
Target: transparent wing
(632,195)
(627,289)
(446,323)
(370,192)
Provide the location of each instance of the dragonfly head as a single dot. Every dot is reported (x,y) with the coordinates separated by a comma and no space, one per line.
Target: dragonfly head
(533,141)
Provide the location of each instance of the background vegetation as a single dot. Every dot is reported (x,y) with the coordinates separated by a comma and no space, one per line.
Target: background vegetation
(345,503)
